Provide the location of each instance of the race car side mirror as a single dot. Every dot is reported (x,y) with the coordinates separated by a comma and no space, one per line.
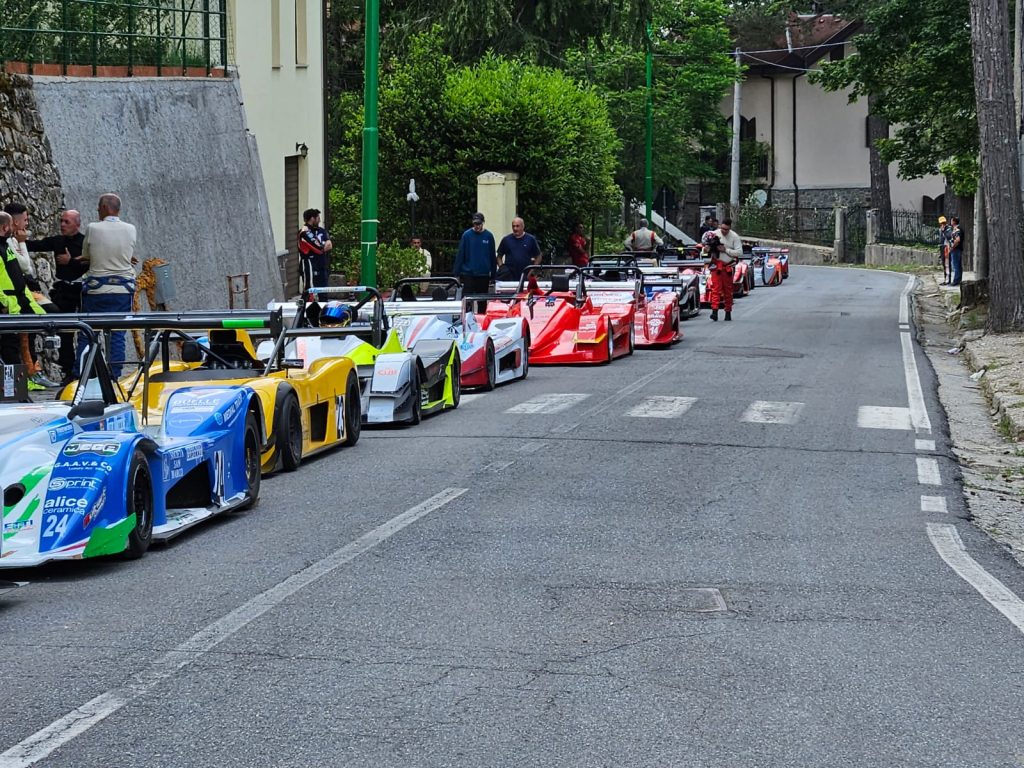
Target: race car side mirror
(87,409)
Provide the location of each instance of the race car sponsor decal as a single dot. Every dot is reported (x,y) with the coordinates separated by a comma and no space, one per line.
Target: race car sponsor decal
(84,464)
(61,433)
(218,474)
(97,447)
(19,525)
(95,510)
(119,422)
(73,484)
(339,415)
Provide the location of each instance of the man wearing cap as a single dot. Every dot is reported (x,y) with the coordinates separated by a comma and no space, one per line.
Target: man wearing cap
(476,261)
(314,246)
(643,239)
(945,237)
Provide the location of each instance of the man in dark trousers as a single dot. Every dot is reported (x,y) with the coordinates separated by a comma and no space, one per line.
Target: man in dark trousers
(66,292)
(956,251)
(314,246)
(476,262)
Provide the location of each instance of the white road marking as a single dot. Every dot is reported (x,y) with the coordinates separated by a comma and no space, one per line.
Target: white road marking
(904,327)
(934,504)
(661,407)
(561,429)
(554,402)
(766,412)
(905,301)
(497,466)
(469,397)
(924,445)
(531,446)
(918,412)
(948,544)
(883,417)
(928,472)
(45,741)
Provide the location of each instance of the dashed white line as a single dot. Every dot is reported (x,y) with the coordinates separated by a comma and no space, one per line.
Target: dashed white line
(45,741)
(924,445)
(883,417)
(934,504)
(928,472)
(767,412)
(553,402)
(918,412)
(950,547)
(661,407)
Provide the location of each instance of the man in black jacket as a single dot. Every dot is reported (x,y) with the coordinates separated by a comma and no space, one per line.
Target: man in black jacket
(66,292)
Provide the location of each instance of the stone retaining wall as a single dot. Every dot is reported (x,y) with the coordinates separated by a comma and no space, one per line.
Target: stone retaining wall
(803,253)
(881,255)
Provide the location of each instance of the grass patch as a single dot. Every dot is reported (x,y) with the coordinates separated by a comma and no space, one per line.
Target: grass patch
(1006,428)
(916,269)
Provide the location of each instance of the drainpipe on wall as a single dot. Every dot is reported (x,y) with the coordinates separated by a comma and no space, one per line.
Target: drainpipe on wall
(771,169)
(326,106)
(796,187)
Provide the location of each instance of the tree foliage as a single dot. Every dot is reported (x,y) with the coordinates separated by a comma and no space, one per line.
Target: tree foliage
(444,124)
(914,58)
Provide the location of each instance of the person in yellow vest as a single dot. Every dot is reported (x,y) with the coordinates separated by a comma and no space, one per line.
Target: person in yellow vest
(15,296)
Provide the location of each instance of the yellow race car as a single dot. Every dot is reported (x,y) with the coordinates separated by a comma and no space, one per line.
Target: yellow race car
(304,409)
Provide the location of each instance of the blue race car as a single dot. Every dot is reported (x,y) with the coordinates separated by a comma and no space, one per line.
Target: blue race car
(84,478)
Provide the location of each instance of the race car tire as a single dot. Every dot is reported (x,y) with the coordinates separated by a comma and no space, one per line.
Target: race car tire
(526,353)
(489,363)
(611,340)
(417,397)
(632,338)
(457,381)
(139,502)
(353,411)
(289,434)
(253,462)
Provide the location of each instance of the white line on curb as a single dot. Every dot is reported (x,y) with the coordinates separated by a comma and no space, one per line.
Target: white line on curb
(950,547)
(924,445)
(928,472)
(78,721)
(918,411)
(934,504)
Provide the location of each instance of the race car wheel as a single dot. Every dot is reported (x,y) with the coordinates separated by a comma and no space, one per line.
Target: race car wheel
(489,363)
(289,434)
(139,502)
(353,411)
(457,380)
(526,353)
(632,338)
(611,340)
(417,397)
(253,468)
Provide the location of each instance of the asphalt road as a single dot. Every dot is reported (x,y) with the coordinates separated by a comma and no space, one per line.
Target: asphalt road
(742,577)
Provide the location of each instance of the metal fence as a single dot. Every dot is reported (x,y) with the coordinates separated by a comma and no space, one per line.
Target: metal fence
(114,37)
(816,226)
(908,228)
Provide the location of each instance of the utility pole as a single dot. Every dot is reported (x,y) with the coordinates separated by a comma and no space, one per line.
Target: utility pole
(649,148)
(734,179)
(368,228)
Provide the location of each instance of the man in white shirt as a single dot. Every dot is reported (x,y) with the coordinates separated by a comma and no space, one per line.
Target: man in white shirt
(643,239)
(109,285)
(722,263)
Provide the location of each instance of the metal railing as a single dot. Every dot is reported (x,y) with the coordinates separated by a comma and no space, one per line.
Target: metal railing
(908,228)
(114,37)
(816,226)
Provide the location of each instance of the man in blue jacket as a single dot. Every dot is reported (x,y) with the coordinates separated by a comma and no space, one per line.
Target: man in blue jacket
(476,262)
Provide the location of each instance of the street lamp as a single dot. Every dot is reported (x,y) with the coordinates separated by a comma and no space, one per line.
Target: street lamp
(368,226)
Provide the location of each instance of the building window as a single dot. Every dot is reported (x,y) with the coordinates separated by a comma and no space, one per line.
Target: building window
(275,34)
(301,47)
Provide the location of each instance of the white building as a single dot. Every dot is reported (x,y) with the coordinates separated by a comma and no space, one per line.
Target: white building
(818,139)
(277,46)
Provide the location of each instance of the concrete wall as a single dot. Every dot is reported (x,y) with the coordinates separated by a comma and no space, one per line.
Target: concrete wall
(802,253)
(878,254)
(177,152)
(283,98)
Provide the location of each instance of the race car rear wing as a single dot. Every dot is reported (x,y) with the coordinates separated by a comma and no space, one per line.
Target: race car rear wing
(372,328)
(403,290)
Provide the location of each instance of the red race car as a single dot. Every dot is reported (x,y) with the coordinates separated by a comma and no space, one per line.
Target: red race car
(566,326)
(656,299)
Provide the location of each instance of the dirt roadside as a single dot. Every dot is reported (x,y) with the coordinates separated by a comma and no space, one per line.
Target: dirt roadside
(985,410)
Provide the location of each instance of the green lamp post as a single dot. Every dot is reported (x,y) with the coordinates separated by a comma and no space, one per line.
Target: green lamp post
(368,228)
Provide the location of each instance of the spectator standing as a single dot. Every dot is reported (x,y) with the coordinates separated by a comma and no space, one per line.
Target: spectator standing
(518,250)
(476,261)
(109,283)
(314,246)
(956,252)
(579,248)
(16,242)
(66,292)
(643,239)
(945,233)
(417,243)
(15,299)
(709,225)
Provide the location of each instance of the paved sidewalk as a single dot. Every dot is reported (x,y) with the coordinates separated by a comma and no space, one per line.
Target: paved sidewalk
(985,412)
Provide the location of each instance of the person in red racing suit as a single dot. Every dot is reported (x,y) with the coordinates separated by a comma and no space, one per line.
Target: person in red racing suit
(720,280)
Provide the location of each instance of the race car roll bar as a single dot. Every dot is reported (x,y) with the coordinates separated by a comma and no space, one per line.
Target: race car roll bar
(375,328)
(446,281)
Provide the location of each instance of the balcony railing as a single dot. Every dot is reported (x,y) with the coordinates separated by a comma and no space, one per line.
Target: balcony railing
(114,37)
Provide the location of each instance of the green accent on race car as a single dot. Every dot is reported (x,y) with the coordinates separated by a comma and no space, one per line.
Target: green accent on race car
(393,344)
(30,481)
(364,354)
(244,323)
(111,540)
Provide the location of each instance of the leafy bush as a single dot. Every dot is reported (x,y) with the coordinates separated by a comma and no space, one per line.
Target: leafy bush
(394,262)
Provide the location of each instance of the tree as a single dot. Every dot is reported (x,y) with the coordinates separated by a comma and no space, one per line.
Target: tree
(993,82)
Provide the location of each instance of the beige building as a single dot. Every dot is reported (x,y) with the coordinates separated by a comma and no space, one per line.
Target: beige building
(817,140)
(277,47)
